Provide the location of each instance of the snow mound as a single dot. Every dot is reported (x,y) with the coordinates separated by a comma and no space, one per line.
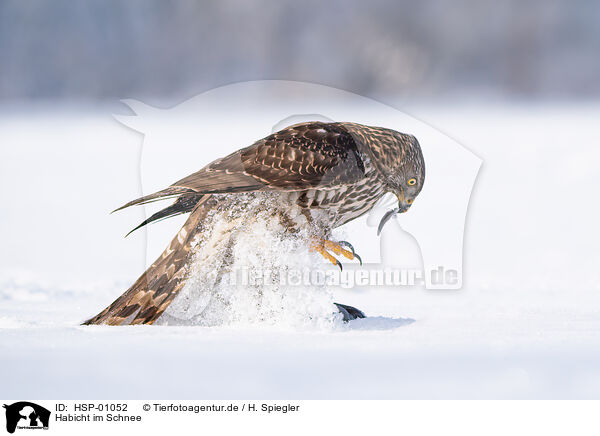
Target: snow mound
(247,269)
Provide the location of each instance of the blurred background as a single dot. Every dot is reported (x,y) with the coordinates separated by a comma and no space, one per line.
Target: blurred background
(164,52)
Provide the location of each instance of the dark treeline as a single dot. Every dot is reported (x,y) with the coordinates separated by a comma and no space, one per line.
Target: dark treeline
(94,49)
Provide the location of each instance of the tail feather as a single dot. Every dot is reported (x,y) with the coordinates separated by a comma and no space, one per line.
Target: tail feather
(172,191)
(146,300)
(184,204)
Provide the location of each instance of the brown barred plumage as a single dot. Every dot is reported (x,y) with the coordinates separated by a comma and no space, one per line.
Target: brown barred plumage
(333,171)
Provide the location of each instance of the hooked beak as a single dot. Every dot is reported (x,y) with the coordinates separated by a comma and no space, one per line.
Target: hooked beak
(402,207)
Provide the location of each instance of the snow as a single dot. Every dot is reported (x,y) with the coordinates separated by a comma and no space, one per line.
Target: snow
(525,324)
(248,270)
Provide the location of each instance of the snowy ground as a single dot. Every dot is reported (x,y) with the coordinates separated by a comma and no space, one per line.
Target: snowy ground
(525,325)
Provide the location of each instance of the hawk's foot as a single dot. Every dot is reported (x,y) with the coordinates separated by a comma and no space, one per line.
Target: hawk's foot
(325,246)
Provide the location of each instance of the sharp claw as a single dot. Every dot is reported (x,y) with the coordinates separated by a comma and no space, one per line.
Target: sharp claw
(386,218)
(358,257)
(348,245)
(338,263)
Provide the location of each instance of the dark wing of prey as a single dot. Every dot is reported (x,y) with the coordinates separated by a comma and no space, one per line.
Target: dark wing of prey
(303,156)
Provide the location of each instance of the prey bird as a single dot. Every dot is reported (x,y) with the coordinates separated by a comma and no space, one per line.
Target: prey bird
(326,174)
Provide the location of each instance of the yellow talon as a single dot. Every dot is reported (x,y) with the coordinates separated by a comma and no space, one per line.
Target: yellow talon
(337,249)
(323,246)
(328,256)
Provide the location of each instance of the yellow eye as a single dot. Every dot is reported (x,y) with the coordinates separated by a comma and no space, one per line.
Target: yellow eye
(412,182)
(409,201)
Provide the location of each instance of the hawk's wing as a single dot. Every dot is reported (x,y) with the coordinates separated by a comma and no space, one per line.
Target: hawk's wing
(303,156)
(308,155)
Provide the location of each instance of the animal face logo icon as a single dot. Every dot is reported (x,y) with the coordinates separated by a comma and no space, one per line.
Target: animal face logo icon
(26,415)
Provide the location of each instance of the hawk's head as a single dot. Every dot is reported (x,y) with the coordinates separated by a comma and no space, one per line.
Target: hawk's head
(404,170)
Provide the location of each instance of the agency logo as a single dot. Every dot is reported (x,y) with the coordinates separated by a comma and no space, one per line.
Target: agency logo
(26,415)
(424,248)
